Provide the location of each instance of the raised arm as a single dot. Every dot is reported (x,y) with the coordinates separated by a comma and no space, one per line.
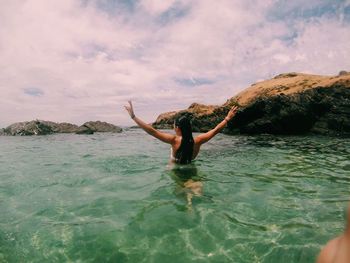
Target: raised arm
(203,138)
(164,137)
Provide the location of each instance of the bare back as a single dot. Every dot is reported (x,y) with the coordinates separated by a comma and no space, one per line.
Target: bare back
(177,143)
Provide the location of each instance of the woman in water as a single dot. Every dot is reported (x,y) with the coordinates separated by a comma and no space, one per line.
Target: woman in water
(184,148)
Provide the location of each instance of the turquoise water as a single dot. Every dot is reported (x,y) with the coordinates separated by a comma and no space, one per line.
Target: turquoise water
(113,198)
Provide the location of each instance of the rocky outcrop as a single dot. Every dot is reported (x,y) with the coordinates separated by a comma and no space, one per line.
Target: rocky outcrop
(40,127)
(83,129)
(63,127)
(99,126)
(203,117)
(319,110)
(165,120)
(28,128)
(291,103)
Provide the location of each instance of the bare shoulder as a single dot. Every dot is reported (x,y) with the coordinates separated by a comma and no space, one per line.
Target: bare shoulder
(176,142)
(328,251)
(177,139)
(201,138)
(196,140)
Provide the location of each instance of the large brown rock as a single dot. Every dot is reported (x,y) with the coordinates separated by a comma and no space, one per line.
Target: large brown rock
(290,103)
(203,117)
(320,110)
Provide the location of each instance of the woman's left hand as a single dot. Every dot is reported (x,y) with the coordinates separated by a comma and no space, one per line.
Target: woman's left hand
(130,109)
(232,112)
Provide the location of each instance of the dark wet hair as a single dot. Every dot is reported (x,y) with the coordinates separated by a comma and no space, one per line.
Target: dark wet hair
(185,151)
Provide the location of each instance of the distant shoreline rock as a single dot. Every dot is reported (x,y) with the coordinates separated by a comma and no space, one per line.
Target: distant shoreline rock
(100,126)
(290,103)
(40,127)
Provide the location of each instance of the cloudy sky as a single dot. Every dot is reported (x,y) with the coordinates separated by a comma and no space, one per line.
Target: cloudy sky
(80,60)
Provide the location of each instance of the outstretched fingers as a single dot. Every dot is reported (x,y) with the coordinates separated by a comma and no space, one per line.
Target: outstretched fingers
(130,109)
(234,108)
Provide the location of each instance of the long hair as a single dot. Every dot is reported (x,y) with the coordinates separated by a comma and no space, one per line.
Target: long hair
(185,151)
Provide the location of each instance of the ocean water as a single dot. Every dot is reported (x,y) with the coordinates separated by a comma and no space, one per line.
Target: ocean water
(114,198)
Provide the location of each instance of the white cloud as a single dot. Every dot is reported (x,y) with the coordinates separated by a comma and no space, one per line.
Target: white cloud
(156,7)
(87,62)
(282,58)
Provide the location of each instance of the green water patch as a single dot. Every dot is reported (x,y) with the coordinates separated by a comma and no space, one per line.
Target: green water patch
(114,198)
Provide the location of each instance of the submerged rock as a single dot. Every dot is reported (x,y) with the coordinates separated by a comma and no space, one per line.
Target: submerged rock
(291,103)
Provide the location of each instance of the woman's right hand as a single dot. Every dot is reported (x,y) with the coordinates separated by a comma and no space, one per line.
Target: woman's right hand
(130,109)
(231,113)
